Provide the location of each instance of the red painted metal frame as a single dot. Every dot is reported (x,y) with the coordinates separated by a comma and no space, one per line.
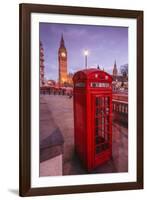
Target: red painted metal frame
(89,84)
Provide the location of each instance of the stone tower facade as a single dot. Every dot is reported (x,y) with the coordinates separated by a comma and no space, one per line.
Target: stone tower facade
(62,58)
(41,65)
(115,72)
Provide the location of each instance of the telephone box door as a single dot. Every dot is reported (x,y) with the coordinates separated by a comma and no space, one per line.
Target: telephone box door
(102,128)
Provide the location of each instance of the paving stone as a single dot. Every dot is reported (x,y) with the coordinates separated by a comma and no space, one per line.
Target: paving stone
(60,110)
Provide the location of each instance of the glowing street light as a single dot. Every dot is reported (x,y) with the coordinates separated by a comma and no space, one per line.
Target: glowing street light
(86,55)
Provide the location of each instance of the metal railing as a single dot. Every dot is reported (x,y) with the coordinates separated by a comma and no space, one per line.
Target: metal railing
(120,111)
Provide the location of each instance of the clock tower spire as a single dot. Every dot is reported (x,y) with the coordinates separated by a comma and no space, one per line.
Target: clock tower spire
(62,42)
(62,58)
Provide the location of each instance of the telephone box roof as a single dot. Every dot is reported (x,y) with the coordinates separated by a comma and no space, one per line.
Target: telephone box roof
(88,73)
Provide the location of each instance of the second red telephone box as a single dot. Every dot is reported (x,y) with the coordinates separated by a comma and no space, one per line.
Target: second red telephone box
(93,116)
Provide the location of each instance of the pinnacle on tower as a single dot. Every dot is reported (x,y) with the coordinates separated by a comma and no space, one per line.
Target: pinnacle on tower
(115,64)
(98,67)
(115,72)
(40,44)
(62,42)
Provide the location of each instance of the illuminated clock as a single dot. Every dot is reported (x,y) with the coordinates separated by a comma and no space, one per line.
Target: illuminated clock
(63,54)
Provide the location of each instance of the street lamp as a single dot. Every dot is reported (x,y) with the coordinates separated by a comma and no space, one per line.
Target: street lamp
(86,55)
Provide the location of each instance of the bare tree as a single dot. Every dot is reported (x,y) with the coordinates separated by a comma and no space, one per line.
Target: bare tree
(124,70)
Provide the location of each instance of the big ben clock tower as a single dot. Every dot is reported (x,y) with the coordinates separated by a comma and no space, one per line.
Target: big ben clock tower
(62,57)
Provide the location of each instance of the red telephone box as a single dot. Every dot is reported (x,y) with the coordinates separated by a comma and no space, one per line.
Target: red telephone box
(93,116)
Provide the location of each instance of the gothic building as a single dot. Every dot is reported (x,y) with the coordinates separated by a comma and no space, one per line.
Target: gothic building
(118,76)
(115,72)
(65,78)
(62,58)
(41,65)
(119,81)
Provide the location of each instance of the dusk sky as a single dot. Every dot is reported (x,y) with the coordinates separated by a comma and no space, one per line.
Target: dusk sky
(104,43)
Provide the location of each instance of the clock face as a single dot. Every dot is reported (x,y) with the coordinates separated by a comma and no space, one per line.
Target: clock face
(63,54)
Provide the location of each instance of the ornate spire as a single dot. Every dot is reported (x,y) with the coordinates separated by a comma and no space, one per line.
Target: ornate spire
(98,67)
(115,69)
(62,42)
(115,64)
(40,44)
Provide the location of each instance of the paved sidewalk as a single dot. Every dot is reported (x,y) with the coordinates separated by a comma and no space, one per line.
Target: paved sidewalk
(51,143)
(60,109)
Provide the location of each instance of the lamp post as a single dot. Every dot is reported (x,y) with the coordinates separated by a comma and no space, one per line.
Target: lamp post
(86,55)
